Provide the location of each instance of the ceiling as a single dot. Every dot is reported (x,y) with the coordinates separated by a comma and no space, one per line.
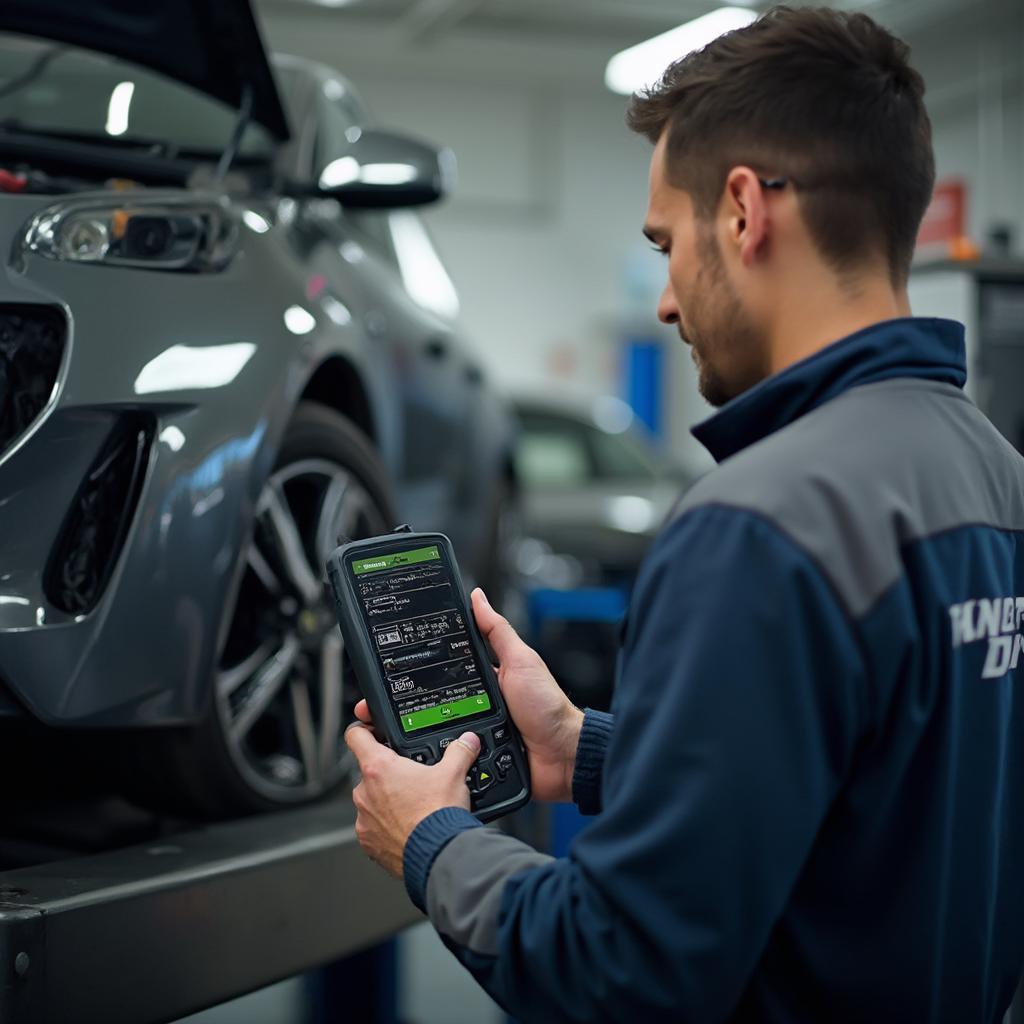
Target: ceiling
(565,39)
(620,21)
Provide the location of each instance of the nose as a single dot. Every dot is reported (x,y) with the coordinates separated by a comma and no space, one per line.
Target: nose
(668,308)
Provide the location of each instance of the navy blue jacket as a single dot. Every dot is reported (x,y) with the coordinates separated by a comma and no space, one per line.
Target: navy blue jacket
(811,793)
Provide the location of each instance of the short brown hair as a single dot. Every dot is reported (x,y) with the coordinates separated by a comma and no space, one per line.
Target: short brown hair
(822,98)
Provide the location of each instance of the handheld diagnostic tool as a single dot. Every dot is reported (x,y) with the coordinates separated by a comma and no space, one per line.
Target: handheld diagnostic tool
(421,662)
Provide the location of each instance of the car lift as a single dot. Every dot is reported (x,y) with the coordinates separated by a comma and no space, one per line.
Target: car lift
(153,932)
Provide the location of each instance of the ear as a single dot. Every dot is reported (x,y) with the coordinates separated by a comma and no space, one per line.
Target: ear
(746,212)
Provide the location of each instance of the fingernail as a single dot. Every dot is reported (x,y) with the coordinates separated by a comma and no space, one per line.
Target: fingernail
(470,741)
(483,597)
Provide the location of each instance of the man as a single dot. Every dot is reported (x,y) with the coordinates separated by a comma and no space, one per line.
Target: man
(810,799)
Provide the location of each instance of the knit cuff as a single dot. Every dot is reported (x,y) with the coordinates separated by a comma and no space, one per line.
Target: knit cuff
(586,779)
(428,839)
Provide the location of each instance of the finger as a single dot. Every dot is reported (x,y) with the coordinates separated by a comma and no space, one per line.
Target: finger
(362,743)
(504,640)
(460,755)
(362,712)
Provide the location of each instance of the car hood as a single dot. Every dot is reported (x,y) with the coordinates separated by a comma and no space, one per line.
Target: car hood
(213,46)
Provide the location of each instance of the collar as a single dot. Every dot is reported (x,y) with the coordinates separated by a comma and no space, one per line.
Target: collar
(918,347)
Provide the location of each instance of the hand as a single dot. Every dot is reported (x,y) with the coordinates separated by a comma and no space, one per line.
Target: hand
(396,794)
(546,719)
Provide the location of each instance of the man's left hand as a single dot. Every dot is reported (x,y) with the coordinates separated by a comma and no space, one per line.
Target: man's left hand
(396,794)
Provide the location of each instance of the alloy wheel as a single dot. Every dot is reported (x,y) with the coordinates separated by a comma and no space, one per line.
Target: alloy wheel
(284,687)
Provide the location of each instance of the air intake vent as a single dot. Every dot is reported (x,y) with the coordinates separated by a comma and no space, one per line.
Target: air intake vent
(98,520)
(31,346)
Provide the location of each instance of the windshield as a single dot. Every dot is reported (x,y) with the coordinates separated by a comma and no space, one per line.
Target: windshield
(63,90)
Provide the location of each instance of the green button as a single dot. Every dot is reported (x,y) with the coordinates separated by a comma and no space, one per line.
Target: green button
(445,712)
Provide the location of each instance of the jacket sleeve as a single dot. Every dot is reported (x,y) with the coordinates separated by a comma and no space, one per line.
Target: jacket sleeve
(736,716)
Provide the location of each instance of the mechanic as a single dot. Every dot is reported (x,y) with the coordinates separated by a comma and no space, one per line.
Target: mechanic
(809,793)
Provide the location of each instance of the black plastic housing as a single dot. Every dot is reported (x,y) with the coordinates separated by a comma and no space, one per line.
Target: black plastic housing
(98,519)
(507,794)
(32,342)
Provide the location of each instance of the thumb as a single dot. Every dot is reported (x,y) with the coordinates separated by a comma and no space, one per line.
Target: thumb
(461,754)
(506,643)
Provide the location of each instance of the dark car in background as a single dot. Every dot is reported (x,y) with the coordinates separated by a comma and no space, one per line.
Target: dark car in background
(225,340)
(595,490)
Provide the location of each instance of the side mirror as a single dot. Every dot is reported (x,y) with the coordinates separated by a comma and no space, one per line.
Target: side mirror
(386,170)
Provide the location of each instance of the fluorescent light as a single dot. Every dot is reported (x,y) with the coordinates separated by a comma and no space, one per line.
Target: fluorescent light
(336,310)
(423,273)
(342,171)
(254,222)
(387,174)
(642,65)
(631,513)
(299,320)
(347,169)
(173,438)
(188,367)
(117,109)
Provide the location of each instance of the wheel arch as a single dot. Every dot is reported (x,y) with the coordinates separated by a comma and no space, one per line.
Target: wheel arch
(337,384)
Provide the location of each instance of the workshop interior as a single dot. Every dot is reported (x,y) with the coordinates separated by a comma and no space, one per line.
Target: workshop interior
(285,277)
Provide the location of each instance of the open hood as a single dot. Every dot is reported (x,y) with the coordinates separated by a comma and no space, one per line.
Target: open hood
(212,45)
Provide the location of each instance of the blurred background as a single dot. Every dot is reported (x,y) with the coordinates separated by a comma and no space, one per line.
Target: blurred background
(542,234)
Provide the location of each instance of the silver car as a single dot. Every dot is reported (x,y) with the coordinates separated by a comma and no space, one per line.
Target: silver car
(225,340)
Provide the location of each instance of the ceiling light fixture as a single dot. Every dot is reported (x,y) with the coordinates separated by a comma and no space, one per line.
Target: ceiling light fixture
(642,65)
(118,107)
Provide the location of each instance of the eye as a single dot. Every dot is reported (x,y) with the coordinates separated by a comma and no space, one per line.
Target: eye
(659,250)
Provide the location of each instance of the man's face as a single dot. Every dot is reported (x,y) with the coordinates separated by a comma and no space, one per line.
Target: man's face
(728,347)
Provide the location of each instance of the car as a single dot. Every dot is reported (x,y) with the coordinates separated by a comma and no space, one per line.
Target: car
(594,491)
(226,340)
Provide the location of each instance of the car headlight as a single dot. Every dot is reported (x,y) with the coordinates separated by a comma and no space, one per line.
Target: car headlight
(153,232)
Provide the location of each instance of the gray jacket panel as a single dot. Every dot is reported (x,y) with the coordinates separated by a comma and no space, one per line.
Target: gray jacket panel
(862,476)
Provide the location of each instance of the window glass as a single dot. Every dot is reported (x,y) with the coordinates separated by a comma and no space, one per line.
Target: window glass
(551,459)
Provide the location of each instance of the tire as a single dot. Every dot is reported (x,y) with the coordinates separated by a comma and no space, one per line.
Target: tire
(282,690)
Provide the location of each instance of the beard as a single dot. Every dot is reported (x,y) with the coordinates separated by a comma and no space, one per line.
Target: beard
(727,346)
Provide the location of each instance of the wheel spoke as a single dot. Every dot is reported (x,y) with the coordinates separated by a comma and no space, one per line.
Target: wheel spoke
(266,686)
(330,700)
(329,519)
(232,678)
(305,730)
(261,567)
(289,544)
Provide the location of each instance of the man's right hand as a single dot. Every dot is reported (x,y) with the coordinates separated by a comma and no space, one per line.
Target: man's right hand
(546,719)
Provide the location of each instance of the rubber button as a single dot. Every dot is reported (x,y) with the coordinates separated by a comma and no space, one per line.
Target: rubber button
(480,778)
